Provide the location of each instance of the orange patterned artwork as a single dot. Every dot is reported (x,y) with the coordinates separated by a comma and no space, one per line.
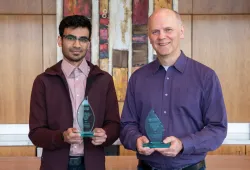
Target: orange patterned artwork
(163,4)
(77,7)
(120,81)
(119,28)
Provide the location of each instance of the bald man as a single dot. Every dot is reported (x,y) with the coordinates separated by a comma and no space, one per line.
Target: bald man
(184,94)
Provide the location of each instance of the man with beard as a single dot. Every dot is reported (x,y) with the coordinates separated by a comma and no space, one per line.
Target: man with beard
(184,95)
(56,96)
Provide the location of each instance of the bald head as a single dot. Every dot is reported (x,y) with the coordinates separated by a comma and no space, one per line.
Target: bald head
(164,12)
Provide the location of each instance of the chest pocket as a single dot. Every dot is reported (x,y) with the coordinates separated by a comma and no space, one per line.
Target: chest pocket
(187,98)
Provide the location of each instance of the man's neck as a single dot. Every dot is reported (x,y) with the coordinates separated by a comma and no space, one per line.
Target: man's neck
(74,63)
(170,59)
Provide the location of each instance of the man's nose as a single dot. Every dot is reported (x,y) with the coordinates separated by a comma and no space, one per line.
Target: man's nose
(161,35)
(77,43)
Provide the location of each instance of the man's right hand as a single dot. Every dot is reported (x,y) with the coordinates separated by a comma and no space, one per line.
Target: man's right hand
(143,150)
(72,136)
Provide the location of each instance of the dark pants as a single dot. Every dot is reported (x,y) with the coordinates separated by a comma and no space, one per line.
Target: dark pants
(199,166)
(76,163)
(139,168)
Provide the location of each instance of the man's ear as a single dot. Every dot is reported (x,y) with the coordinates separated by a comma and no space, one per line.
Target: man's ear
(182,32)
(59,41)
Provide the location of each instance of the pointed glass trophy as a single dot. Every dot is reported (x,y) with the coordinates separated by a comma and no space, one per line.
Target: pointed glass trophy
(154,129)
(86,119)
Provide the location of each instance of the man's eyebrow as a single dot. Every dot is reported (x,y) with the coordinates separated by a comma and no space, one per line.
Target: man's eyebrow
(84,37)
(168,27)
(156,29)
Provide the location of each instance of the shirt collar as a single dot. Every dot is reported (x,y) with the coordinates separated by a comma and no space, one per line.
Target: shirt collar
(69,68)
(179,65)
(84,67)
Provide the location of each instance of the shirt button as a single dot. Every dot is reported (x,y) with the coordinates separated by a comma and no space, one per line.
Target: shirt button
(167,78)
(77,95)
(166,94)
(76,79)
(164,112)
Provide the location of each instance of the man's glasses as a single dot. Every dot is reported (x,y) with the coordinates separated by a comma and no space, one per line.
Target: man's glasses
(72,38)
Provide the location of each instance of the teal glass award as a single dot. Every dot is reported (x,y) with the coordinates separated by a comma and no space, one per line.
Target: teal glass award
(155,130)
(86,118)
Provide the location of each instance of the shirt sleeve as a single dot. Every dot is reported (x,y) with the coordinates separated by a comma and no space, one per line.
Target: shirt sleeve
(130,119)
(40,134)
(214,117)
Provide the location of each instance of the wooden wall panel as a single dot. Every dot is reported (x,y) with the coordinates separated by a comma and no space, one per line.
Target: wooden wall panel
(229,150)
(221,6)
(186,43)
(223,150)
(125,152)
(20,7)
(21,62)
(213,162)
(185,6)
(222,43)
(49,6)
(248,150)
(49,41)
(17,151)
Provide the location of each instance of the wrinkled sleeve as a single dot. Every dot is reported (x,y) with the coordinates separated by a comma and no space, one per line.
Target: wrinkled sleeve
(214,118)
(130,119)
(40,134)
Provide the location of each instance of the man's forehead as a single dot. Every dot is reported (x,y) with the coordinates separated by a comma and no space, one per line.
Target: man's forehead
(163,13)
(78,30)
(163,22)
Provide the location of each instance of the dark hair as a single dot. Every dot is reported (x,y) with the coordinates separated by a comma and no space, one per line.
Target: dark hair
(75,21)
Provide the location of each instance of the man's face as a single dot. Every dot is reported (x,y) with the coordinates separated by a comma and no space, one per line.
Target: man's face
(165,32)
(75,43)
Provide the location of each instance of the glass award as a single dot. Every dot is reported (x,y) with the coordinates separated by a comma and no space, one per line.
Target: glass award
(155,130)
(85,119)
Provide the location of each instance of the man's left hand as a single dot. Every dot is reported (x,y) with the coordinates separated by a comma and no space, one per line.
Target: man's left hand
(99,136)
(175,147)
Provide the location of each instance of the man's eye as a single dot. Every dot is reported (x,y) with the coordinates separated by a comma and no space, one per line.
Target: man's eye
(155,32)
(70,37)
(83,39)
(168,30)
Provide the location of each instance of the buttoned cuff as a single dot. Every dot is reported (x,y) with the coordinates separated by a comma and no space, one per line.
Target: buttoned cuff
(188,147)
(134,141)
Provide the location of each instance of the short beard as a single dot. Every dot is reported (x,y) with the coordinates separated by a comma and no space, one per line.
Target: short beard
(74,60)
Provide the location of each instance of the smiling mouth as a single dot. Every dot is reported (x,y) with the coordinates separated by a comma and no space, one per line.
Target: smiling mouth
(164,44)
(76,51)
